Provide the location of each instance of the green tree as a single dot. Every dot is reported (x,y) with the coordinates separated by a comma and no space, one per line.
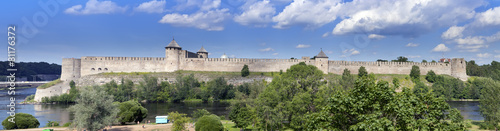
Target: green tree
(489,103)
(131,111)
(373,105)
(94,109)
(241,115)
(289,96)
(415,73)
(220,89)
(347,81)
(245,71)
(72,84)
(200,113)
(431,76)
(424,61)
(401,59)
(362,72)
(209,123)
(21,121)
(420,89)
(179,120)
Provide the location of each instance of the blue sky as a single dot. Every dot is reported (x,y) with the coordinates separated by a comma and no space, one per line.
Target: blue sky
(359,30)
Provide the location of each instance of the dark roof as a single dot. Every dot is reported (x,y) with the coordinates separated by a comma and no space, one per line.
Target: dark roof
(173,44)
(321,55)
(203,50)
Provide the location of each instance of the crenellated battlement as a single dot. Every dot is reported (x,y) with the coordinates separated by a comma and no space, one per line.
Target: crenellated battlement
(98,58)
(178,59)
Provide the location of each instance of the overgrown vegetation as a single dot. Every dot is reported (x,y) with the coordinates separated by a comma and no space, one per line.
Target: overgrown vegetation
(245,71)
(52,83)
(94,109)
(179,120)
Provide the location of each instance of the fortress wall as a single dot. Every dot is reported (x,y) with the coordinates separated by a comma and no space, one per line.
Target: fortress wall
(236,64)
(70,69)
(95,65)
(337,67)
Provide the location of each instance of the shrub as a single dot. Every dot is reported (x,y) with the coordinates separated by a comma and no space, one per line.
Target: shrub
(431,76)
(200,113)
(131,111)
(415,73)
(209,123)
(52,124)
(245,71)
(362,72)
(22,121)
(67,124)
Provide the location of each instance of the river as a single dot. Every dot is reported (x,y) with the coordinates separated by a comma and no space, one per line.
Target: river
(58,112)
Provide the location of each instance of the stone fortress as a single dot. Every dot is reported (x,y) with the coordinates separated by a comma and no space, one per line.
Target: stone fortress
(178,59)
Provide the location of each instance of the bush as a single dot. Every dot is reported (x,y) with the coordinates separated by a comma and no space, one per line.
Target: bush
(415,73)
(362,72)
(67,124)
(131,111)
(52,124)
(209,123)
(245,71)
(431,76)
(22,121)
(200,113)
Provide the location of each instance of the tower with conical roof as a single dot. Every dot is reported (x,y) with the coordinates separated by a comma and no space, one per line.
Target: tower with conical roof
(202,53)
(173,54)
(321,61)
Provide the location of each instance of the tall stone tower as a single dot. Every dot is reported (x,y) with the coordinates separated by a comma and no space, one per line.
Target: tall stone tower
(458,68)
(202,53)
(321,61)
(172,56)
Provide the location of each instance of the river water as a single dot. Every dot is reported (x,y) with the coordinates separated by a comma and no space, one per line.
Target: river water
(56,112)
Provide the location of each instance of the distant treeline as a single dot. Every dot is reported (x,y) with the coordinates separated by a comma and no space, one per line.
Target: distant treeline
(27,69)
(489,70)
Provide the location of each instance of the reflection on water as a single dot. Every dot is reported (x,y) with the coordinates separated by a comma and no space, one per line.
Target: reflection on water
(44,113)
(468,109)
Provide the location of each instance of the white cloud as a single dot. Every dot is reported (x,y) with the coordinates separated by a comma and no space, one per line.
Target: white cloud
(153,6)
(266,49)
(257,14)
(490,17)
(211,20)
(325,34)
(311,14)
(483,55)
(375,36)
(96,7)
(441,48)
(302,46)
(275,53)
(351,52)
(408,18)
(413,56)
(453,32)
(412,45)
(497,56)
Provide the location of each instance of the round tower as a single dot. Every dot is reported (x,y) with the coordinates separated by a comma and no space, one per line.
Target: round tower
(202,53)
(172,56)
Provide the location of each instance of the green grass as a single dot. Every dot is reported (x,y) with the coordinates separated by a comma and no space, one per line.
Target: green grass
(52,83)
(230,126)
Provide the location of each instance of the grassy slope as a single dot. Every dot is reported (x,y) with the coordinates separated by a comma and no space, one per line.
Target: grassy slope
(47,85)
